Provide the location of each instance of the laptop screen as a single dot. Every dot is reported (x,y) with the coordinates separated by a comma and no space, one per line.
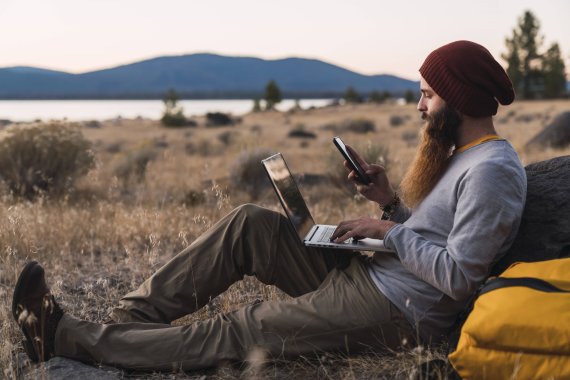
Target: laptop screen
(289,194)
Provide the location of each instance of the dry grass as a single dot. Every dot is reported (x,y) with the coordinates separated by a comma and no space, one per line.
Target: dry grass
(106,237)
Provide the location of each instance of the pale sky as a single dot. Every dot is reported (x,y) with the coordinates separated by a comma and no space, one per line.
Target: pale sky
(367,36)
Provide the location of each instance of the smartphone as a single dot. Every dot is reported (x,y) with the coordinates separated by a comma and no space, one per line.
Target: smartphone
(361,176)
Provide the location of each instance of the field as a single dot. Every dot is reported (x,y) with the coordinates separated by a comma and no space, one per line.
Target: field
(155,189)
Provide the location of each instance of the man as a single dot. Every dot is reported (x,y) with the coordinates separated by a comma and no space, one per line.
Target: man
(462,211)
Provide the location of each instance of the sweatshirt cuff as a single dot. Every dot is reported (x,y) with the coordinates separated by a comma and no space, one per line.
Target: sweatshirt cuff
(390,236)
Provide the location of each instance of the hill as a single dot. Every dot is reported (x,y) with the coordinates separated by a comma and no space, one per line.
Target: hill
(196,76)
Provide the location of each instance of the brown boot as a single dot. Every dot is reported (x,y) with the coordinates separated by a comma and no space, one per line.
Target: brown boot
(37,313)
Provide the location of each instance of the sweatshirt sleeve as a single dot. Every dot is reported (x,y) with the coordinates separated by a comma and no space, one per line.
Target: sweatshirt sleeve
(490,200)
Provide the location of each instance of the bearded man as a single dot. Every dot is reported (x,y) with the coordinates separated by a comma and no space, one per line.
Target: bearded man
(462,203)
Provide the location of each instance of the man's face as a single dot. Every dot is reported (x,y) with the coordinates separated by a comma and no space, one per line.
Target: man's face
(430,102)
(437,138)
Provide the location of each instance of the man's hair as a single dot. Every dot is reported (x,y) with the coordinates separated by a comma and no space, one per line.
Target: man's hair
(436,141)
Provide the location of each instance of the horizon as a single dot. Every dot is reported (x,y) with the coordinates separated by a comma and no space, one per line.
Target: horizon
(190,54)
(364,37)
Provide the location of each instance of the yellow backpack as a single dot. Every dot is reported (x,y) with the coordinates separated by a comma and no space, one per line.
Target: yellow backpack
(519,327)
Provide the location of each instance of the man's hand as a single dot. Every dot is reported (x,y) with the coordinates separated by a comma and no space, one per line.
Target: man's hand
(379,190)
(361,228)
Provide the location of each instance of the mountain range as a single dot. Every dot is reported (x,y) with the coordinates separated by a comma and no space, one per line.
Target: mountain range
(196,76)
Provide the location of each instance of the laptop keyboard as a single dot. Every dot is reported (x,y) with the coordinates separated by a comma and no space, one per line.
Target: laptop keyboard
(326,235)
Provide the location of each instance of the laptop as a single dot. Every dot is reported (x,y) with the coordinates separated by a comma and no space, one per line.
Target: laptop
(310,233)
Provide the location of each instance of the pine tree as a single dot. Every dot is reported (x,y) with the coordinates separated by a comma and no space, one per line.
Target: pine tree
(272,95)
(410,96)
(173,115)
(514,64)
(554,72)
(375,97)
(256,105)
(351,96)
(523,57)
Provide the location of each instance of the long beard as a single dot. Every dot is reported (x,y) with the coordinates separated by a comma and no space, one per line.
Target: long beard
(436,141)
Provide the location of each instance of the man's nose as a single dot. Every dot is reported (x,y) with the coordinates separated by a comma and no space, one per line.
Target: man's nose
(421,105)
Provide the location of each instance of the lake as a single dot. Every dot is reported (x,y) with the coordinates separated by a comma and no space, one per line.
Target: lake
(75,110)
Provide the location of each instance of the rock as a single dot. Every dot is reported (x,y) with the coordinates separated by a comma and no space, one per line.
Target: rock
(218,119)
(92,124)
(544,232)
(555,135)
(301,133)
(63,368)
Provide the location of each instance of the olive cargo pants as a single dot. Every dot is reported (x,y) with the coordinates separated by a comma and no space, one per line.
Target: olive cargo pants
(336,307)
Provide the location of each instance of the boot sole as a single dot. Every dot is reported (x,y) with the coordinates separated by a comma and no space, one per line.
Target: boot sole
(23,278)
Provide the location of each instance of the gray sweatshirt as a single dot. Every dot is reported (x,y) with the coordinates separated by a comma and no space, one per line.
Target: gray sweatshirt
(445,247)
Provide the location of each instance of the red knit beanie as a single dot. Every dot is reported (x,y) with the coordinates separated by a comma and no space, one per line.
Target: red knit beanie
(468,78)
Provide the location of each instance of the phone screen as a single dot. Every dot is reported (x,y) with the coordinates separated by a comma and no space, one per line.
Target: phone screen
(360,174)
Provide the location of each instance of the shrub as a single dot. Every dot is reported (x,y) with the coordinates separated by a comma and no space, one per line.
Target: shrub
(133,164)
(333,127)
(160,142)
(410,137)
(218,119)
(526,118)
(173,115)
(203,148)
(248,174)
(358,125)
(396,120)
(92,124)
(177,119)
(114,147)
(256,129)
(376,154)
(300,132)
(372,153)
(193,198)
(228,137)
(43,158)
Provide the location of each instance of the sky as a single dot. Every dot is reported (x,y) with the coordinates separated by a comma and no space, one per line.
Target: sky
(367,36)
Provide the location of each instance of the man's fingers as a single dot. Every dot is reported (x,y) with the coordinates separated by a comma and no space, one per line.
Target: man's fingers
(346,230)
(344,237)
(359,158)
(374,169)
(337,233)
(341,229)
(352,176)
(360,187)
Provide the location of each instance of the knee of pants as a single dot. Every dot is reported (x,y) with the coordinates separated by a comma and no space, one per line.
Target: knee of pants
(256,213)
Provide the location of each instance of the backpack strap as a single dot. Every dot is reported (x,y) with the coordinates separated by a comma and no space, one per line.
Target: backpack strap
(528,282)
